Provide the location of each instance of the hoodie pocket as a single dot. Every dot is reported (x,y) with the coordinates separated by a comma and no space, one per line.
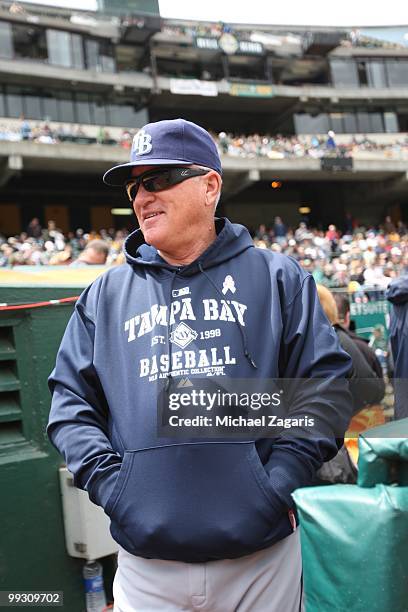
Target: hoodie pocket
(194,502)
(120,482)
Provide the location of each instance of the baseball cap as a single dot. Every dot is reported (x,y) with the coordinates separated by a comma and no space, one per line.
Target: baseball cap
(168,143)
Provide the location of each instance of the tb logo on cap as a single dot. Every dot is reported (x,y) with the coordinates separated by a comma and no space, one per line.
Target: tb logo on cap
(142,143)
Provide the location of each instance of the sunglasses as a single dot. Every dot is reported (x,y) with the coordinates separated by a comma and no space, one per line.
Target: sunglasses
(161,179)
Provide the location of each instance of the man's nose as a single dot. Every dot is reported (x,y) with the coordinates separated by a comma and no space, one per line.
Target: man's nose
(142,200)
(143,195)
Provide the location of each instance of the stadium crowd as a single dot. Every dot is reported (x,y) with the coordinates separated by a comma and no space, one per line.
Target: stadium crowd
(236,145)
(40,247)
(280,147)
(43,133)
(351,38)
(354,258)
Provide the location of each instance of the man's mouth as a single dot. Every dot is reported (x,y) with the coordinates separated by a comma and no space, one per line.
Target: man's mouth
(151,215)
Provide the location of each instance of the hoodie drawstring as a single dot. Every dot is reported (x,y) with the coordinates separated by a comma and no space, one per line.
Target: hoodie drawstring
(169,344)
(242,332)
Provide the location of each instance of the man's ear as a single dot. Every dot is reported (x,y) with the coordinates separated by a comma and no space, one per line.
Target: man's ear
(213,187)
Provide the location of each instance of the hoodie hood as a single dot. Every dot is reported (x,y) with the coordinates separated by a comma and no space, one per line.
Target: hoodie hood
(397,292)
(232,239)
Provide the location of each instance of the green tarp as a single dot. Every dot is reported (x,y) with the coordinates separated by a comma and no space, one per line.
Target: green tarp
(354,548)
(383,455)
(355,537)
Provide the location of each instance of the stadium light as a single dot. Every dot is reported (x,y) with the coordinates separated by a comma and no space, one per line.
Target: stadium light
(121,212)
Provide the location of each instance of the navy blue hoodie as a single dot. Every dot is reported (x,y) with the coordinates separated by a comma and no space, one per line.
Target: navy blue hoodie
(238,312)
(397,294)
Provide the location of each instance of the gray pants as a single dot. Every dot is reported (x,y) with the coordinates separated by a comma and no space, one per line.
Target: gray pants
(269,580)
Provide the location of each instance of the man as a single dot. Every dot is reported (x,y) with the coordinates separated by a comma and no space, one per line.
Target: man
(202,524)
(94,254)
(344,323)
(34,229)
(279,230)
(397,294)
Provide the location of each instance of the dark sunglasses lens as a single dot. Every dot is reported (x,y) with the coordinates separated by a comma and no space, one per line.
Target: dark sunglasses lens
(158,182)
(161,180)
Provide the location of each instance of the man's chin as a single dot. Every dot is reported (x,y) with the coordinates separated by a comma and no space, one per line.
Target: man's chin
(154,239)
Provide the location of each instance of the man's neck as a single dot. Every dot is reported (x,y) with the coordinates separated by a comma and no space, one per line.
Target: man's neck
(189,253)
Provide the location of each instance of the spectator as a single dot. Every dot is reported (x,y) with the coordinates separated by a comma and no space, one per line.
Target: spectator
(389,226)
(34,228)
(397,294)
(330,142)
(379,344)
(126,140)
(25,129)
(331,233)
(302,233)
(262,234)
(77,242)
(366,387)
(53,234)
(333,236)
(95,254)
(401,228)
(6,255)
(279,230)
(343,313)
(100,136)
(348,224)
(62,258)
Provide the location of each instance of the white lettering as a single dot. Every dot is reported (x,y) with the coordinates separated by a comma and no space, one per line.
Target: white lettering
(142,143)
(130,327)
(144,367)
(240,309)
(145,325)
(190,360)
(174,309)
(226,312)
(176,363)
(203,360)
(215,361)
(210,310)
(228,359)
(164,363)
(154,369)
(187,310)
(159,315)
